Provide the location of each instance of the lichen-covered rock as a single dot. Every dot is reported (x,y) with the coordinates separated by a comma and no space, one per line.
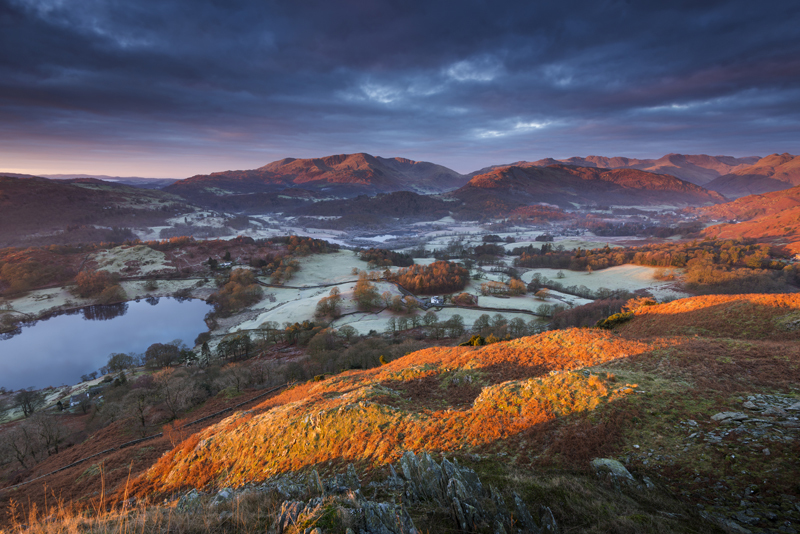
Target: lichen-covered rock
(459,490)
(524,518)
(315,485)
(222,496)
(190,501)
(612,467)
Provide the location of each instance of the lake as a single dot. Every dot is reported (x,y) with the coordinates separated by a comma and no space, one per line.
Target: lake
(58,350)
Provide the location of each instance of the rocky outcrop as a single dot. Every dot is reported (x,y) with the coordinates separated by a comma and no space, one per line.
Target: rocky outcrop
(455,489)
(472,507)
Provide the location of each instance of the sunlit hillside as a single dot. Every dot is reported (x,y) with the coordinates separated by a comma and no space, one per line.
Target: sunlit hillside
(657,393)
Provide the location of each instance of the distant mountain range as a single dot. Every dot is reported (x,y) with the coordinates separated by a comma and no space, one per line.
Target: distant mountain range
(697,169)
(340,175)
(134,181)
(729,176)
(349,175)
(570,186)
(33,208)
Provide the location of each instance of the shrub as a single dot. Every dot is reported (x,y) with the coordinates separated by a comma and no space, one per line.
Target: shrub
(615,320)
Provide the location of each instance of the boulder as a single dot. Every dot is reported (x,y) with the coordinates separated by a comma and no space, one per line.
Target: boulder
(612,467)
(729,416)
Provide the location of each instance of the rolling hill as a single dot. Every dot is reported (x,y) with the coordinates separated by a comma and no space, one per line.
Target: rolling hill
(770,217)
(772,173)
(33,209)
(338,176)
(568,186)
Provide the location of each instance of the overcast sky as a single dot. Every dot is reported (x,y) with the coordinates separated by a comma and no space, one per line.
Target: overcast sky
(172,88)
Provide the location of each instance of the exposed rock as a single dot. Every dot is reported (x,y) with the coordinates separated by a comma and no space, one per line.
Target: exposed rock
(189,501)
(524,517)
(225,494)
(290,511)
(459,489)
(611,466)
(729,416)
(315,485)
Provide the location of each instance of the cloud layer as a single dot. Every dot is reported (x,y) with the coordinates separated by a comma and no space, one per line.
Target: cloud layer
(173,88)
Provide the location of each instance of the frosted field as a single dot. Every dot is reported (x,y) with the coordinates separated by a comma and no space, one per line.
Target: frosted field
(334,268)
(363,323)
(298,305)
(115,259)
(627,277)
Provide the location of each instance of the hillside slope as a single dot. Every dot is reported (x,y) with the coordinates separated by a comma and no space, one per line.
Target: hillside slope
(658,394)
(770,217)
(698,169)
(35,207)
(567,186)
(772,173)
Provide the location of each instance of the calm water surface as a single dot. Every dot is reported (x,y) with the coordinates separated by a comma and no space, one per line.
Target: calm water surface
(60,349)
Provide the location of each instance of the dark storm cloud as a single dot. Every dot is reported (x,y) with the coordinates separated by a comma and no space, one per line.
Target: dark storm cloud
(462,83)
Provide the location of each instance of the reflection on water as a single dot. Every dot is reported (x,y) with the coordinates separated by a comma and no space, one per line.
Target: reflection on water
(59,349)
(105,312)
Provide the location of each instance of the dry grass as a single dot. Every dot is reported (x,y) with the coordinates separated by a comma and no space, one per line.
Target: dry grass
(251,512)
(731,316)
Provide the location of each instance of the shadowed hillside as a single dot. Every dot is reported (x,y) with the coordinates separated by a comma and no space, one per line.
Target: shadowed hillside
(698,169)
(31,209)
(772,173)
(568,186)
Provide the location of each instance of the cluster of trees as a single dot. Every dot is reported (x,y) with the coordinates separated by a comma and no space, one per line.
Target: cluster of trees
(606,228)
(498,327)
(303,246)
(465,299)
(588,314)
(378,257)
(101,286)
(539,282)
(512,288)
(32,440)
(537,214)
(365,294)
(238,291)
(21,276)
(330,306)
(283,268)
(452,327)
(438,277)
(729,253)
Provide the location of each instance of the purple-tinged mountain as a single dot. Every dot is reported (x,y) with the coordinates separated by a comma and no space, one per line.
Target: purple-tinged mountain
(570,186)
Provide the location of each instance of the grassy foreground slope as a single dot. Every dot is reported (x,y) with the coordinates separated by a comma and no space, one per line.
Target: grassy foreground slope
(656,394)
